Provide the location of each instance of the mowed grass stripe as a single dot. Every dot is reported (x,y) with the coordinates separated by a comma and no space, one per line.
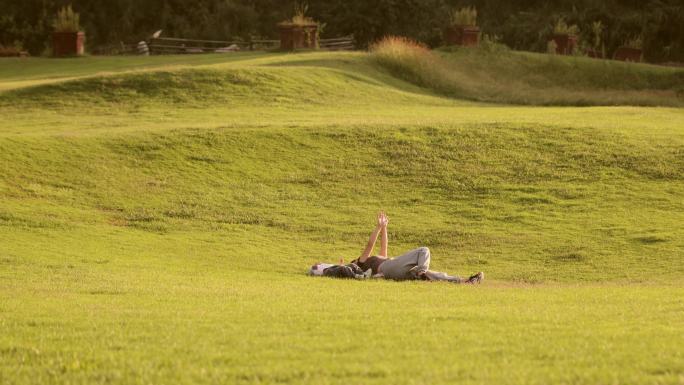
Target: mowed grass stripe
(533,204)
(186,327)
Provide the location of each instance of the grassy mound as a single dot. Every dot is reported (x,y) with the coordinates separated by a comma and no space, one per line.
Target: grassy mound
(190,88)
(265,82)
(18,73)
(495,74)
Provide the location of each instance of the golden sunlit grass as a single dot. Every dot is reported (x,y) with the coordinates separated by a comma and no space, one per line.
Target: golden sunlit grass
(493,73)
(158,215)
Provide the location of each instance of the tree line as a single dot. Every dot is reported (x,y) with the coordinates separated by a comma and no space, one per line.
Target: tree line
(520,24)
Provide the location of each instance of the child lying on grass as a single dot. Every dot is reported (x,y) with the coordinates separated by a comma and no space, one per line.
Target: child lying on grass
(413,265)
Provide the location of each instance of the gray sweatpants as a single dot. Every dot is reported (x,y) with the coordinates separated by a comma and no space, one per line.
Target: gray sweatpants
(409,265)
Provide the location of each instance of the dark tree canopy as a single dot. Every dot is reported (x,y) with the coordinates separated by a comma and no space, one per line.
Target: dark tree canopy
(521,24)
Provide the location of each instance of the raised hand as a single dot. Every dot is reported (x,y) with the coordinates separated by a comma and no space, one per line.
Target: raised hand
(383,220)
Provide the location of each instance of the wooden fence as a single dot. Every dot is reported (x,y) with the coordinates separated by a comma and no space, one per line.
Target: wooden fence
(337,44)
(168,45)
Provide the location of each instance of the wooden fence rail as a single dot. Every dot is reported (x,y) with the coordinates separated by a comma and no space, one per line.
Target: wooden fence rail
(338,44)
(169,45)
(349,38)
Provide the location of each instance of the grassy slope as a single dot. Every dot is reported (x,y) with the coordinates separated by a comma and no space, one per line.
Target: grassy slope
(496,74)
(18,73)
(148,219)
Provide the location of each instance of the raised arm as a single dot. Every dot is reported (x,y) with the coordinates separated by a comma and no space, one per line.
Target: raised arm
(383,236)
(371,242)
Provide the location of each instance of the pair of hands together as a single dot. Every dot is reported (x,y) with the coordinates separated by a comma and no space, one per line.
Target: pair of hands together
(383,220)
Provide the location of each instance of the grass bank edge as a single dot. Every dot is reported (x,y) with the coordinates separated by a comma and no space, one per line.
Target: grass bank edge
(495,74)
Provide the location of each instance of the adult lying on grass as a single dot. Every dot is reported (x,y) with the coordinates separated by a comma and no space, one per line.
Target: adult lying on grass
(413,265)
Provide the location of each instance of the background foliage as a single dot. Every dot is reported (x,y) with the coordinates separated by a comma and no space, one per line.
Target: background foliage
(524,24)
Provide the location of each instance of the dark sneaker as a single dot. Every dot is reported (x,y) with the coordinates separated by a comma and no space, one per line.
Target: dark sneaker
(476,278)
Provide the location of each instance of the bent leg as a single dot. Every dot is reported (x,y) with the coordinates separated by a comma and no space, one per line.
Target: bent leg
(422,259)
(408,265)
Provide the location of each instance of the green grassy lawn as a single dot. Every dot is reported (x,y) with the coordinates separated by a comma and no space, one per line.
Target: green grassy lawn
(158,215)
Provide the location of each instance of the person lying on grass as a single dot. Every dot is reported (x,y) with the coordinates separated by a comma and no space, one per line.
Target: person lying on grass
(413,265)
